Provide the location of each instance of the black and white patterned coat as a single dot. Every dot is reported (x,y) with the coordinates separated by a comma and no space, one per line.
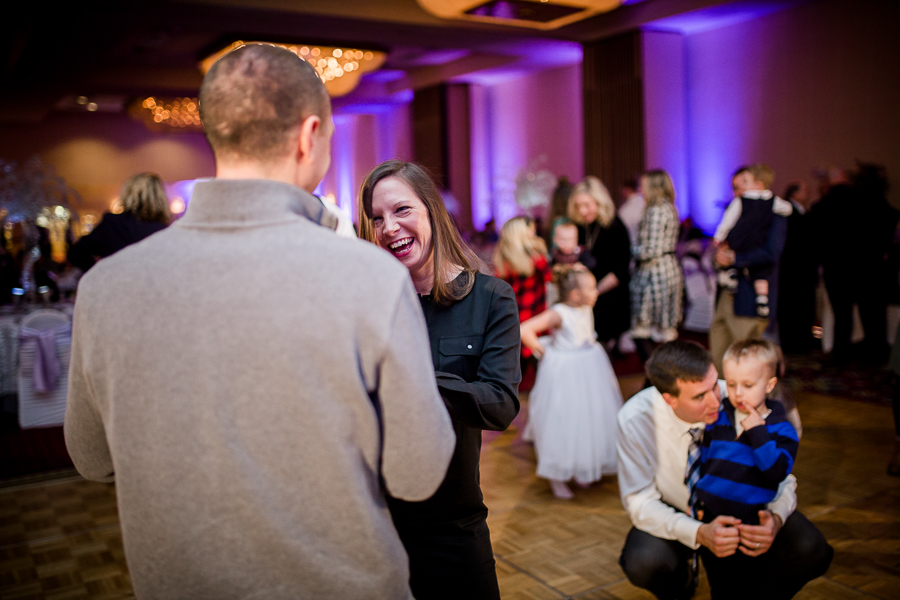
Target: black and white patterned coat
(657,285)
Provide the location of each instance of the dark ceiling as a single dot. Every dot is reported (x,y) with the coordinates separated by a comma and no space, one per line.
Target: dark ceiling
(129,48)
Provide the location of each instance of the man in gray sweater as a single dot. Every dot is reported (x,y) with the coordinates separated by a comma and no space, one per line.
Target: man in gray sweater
(252,382)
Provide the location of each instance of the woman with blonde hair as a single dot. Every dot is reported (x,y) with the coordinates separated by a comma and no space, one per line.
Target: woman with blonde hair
(658,284)
(603,234)
(145,210)
(520,259)
(474,331)
(519,249)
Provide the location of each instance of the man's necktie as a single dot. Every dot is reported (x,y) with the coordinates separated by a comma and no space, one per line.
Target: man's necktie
(692,470)
(691,476)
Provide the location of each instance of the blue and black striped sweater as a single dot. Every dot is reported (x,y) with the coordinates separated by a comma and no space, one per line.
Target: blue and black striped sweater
(739,477)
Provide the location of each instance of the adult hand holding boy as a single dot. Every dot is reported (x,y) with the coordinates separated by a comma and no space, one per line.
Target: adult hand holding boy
(721,535)
(757,539)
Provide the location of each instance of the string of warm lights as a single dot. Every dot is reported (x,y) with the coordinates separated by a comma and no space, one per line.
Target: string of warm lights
(330,63)
(339,68)
(177,112)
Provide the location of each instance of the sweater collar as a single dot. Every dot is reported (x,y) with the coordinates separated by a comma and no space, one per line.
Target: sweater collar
(250,203)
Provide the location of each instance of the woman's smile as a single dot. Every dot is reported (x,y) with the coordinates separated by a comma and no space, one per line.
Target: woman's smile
(401,247)
(402,226)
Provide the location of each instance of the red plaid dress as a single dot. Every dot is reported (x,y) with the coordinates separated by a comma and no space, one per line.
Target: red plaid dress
(531,292)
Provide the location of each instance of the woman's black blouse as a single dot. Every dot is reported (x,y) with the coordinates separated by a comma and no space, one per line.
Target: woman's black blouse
(612,252)
(475,349)
(113,233)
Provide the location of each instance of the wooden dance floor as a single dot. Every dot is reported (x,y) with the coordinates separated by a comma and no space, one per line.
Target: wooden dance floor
(61,539)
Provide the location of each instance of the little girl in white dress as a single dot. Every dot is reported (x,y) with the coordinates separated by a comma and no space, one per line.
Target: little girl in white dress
(573,406)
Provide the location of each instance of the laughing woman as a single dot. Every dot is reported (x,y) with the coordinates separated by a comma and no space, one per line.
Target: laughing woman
(473,326)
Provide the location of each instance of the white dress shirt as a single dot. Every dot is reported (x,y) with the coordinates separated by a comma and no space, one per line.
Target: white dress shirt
(652,448)
(630,214)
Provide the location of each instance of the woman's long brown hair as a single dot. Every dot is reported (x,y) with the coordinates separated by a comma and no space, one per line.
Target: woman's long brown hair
(448,248)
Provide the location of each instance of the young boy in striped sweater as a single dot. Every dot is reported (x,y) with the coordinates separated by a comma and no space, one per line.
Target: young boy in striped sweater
(750,449)
(745,456)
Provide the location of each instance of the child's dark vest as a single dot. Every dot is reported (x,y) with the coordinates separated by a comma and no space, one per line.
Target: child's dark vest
(752,228)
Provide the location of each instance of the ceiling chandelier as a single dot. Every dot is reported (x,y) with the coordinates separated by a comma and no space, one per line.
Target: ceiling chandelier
(338,67)
(536,14)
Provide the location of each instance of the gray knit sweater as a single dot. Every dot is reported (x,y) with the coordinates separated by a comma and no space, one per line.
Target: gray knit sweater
(253,383)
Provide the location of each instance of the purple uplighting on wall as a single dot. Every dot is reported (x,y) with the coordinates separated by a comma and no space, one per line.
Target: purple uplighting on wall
(534,55)
(702,101)
(518,122)
(716,17)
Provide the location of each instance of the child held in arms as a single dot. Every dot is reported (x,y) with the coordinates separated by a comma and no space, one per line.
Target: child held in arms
(566,250)
(745,227)
(750,449)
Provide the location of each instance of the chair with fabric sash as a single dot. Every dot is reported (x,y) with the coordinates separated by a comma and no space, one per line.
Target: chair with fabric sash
(45,340)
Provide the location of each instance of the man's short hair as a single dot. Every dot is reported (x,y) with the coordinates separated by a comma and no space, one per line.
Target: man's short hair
(762,350)
(764,174)
(674,361)
(253,98)
(739,170)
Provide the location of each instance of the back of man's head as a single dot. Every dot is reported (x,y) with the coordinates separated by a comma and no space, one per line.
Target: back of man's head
(254,98)
(674,361)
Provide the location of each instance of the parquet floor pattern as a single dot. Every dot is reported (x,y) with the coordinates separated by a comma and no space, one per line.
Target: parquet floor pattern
(61,539)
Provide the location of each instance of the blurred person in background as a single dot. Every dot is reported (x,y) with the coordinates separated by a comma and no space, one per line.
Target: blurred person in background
(632,208)
(145,210)
(798,277)
(520,259)
(603,234)
(559,208)
(657,288)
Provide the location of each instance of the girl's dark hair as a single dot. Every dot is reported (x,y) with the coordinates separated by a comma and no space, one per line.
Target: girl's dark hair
(448,248)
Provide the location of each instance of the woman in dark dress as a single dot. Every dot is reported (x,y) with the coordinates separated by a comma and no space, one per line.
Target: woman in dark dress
(602,233)
(145,210)
(473,326)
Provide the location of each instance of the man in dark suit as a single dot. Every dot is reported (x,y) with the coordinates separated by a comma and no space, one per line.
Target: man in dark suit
(798,277)
(853,227)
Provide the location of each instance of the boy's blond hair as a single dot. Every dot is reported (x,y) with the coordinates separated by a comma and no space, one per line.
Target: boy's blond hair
(764,174)
(762,350)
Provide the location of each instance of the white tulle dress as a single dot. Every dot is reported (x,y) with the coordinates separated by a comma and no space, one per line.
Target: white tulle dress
(573,405)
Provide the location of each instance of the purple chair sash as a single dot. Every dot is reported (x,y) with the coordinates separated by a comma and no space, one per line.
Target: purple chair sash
(46,362)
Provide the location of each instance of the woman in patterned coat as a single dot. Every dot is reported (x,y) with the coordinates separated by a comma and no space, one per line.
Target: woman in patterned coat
(657,285)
